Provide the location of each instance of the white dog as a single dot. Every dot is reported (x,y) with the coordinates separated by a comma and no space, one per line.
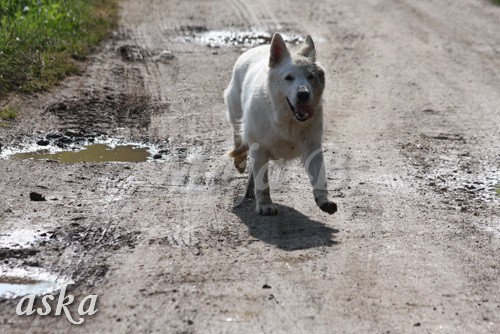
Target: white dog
(274,105)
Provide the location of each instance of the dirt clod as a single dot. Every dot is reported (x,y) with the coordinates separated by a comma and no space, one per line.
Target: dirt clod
(43,142)
(37,197)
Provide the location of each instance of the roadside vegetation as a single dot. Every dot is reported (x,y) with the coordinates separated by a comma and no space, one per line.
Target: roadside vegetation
(41,41)
(8,113)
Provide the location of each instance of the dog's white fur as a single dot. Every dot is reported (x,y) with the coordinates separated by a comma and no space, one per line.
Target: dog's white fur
(268,125)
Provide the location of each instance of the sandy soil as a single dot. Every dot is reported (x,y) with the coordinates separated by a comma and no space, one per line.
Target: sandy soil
(411,140)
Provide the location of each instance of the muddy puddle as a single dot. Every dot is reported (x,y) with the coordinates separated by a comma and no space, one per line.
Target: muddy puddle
(19,282)
(80,148)
(218,38)
(90,153)
(15,286)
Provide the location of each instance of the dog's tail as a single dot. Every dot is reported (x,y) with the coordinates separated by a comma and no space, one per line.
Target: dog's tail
(239,154)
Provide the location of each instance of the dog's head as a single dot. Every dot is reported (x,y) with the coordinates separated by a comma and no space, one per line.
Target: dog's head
(295,78)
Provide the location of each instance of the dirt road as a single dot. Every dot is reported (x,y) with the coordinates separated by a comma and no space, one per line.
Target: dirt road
(412,147)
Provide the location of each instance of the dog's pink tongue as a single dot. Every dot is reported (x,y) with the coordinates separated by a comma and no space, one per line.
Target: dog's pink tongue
(305,110)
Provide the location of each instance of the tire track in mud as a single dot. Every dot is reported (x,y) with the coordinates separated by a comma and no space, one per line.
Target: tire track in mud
(352,171)
(441,146)
(100,228)
(361,48)
(415,124)
(256,15)
(239,9)
(476,36)
(110,114)
(197,175)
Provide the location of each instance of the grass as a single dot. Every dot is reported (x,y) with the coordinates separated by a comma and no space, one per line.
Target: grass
(496,2)
(8,113)
(41,41)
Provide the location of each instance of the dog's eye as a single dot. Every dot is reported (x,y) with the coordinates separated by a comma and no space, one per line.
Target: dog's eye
(310,77)
(289,78)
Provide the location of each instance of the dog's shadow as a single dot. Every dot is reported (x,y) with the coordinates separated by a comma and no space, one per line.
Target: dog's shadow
(289,230)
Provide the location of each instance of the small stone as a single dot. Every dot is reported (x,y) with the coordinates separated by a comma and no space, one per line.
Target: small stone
(53,136)
(167,55)
(34,196)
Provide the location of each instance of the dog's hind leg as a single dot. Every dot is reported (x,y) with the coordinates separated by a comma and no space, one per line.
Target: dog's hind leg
(235,114)
(250,186)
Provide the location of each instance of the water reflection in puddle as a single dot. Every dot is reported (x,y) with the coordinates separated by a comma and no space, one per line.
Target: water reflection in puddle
(91,153)
(19,282)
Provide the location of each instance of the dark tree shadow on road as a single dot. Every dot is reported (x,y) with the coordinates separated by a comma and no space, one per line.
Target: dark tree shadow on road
(289,230)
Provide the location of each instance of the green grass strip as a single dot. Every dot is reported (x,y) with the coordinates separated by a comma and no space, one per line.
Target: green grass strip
(41,41)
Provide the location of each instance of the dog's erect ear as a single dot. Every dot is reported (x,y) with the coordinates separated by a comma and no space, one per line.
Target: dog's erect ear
(279,50)
(308,50)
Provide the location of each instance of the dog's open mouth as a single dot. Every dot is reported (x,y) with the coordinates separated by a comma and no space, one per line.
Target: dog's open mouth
(301,111)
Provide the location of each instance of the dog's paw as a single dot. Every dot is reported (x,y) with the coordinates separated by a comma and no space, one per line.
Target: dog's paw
(267,209)
(239,154)
(240,165)
(328,207)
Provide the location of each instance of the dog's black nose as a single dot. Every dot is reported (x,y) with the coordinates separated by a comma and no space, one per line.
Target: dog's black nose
(303,94)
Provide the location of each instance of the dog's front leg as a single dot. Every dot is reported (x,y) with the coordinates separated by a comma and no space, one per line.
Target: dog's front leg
(259,163)
(315,168)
